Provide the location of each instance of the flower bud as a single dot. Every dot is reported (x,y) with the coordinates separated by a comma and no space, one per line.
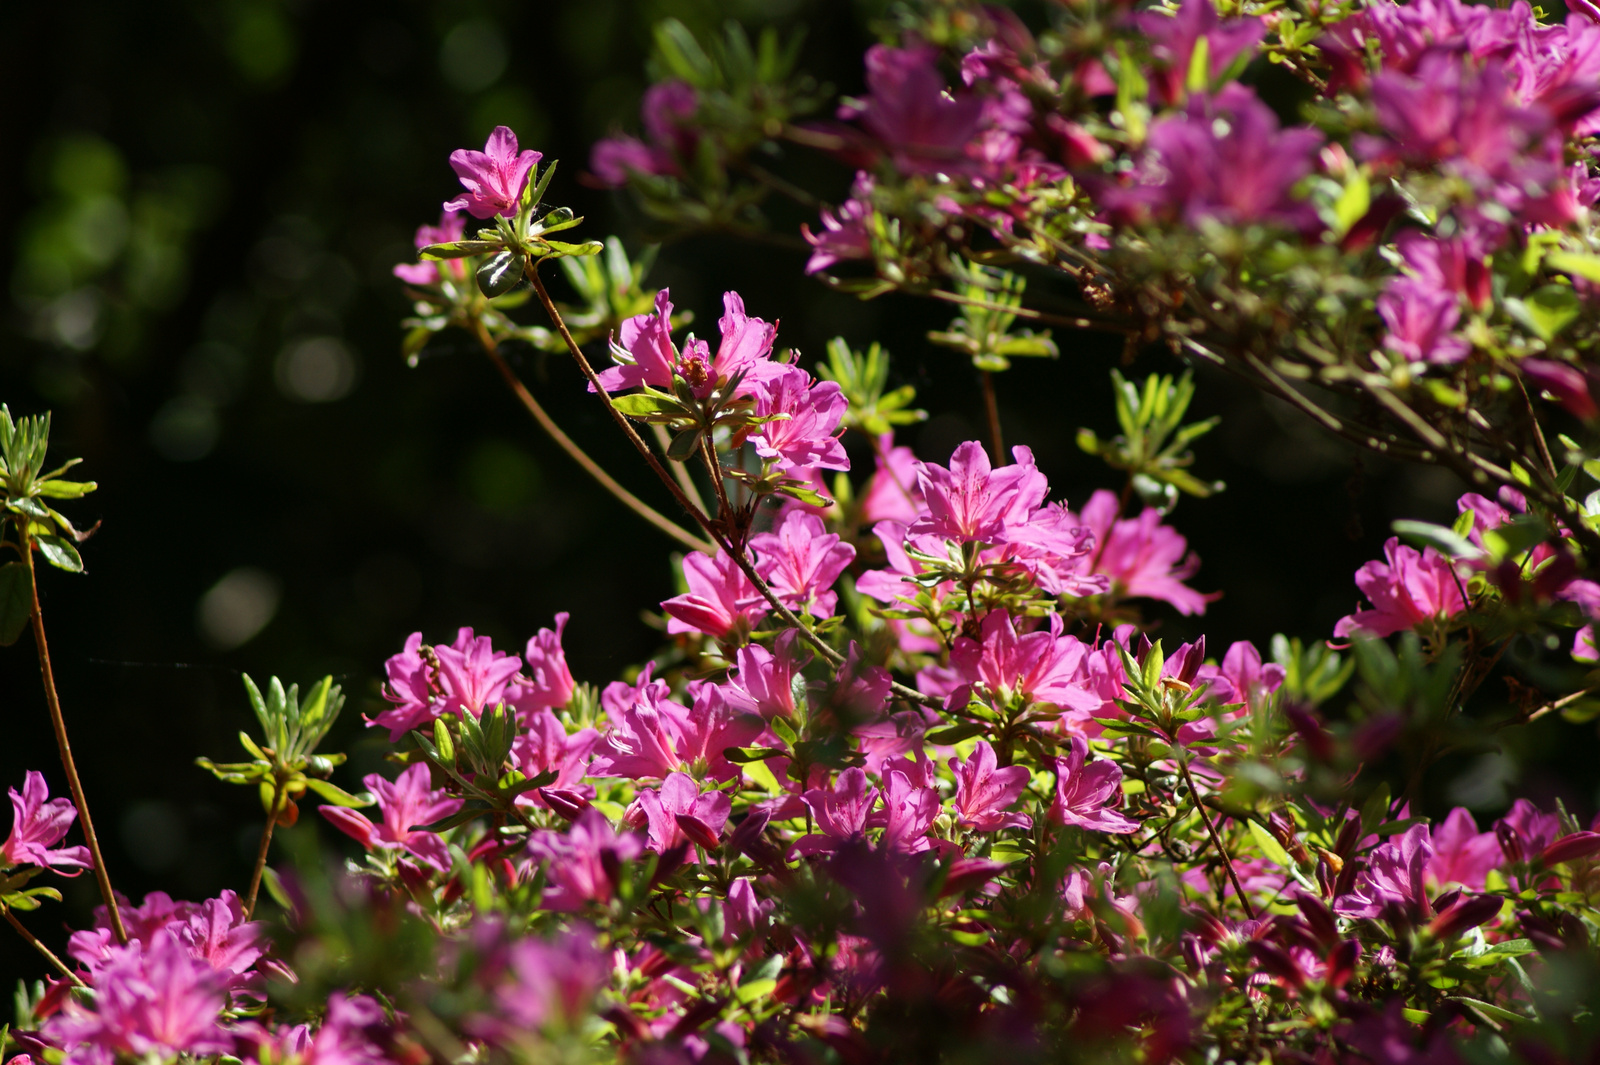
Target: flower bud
(1465,914)
(1571,847)
(698,831)
(1342,962)
(968,873)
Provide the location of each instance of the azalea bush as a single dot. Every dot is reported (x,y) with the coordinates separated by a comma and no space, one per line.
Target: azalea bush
(914,774)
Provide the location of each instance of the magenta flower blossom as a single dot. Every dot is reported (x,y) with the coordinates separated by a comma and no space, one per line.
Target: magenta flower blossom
(1420,320)
(1461,854)
(677,814)
(720,599)
(1242,678)
(909,807)
(645,734)
(1086,795)
(1410,589)
(38,823)
(984,793)
(449,229)
(926,126)
(550,983)
(218,934)
(1223,159)
(153,1000)
(840,812)
(1142,557)
(973,502)
(580,861)
(1525,831)
(473,674)
(714,723)
(1394,877)
(1173,38)
(764,682)
(801,561)
(668,111)
(845,233)
(546,746)
(494,178)
(413,688)
(646,355)
(892,493)
(550,684)
(345,1036)
(406,803)
(809,436)
(1458,264)
(1043,666)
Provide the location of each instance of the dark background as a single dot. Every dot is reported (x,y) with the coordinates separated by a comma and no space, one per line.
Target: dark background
(199,208)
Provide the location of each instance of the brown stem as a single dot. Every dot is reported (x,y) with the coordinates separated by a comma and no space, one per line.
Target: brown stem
(279,794)
(992,408)
(1538,430)
(578,455)
(1216,840)
(1555,705)
(49,955)
(740,559)
(1031,315)
(708,452)
(59,724)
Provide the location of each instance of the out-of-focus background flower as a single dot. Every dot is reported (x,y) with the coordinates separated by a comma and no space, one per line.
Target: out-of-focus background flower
(200,206)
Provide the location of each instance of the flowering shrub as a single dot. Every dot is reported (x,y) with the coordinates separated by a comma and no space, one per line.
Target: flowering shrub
(910,778)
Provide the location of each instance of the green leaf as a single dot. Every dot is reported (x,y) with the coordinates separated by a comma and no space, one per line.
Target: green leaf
(1545,311)
(16,602)
(646,405)
(954,734)
(1353,203)
(751,990)
(746,755)
(1447,542)
(500,274)
(684,445)
(459,249)
(1575,263)
(1491,1012)
(1270,847)
(336,795)
(809,496)
(60,553)
(65,489)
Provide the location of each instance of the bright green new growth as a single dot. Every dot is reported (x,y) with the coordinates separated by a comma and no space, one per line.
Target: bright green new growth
(1153,446)
(26,485)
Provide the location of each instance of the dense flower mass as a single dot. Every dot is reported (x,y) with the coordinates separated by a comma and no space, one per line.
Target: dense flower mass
(930,766)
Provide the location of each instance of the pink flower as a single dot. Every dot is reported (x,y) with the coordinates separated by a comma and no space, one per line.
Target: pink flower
(646,731)
(1173,38)
(494,178)
(38,822)
(764,683)
(678,814)
(984,793)
(1394,877)
(808,436)
(1142,557)
(1241,679)
(844,232)
(720,600)
(1411,589)
(407,804)
(412,687)
(152,1001)
(926,126)
(646,354)
(840,812)
(1086,794)
(891,494)
(715,723)
(473,674)
(427,273)
(1462,855)
(580,861)
(550,982)
(1042,666)
(218,934)
(551,684)
(972,502)
(909,807)
(546,746)
(801,561)
(1420,320)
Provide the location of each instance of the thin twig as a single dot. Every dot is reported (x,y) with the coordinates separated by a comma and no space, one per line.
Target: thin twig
(1028,313)
(992,408)
(49,955)
(1557,704)
(1216,840)
(59,724)
(279,795)
(578,455)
